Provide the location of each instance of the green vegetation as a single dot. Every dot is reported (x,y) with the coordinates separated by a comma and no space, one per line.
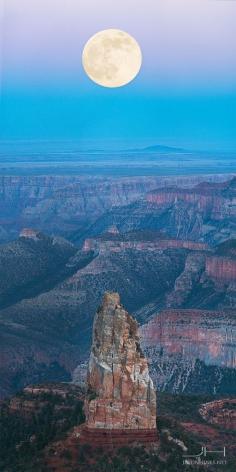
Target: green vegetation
(32,422)
(24,433)
(181,407)
(91,394)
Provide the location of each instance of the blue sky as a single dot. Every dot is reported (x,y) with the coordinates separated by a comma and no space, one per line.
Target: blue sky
(184,95)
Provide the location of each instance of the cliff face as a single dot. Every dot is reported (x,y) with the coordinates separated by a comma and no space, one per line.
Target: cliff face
(31,351)
(120,391)
(147,279)
(107,244)
(188,280)
(69,204)
(64,204)
(206,213)
(207,202)
(213,199)
(221,268)
(192,350)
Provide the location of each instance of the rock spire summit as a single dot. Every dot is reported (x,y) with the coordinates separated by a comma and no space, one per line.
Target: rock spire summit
(121,395)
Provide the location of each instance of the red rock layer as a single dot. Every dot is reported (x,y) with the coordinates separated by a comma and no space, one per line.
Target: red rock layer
(221,268)
(194,334)
(209,201)
(114,438)
(118,246)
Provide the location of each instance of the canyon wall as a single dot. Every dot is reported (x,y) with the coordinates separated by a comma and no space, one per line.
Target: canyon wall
(204,214)
(62,204)
(104,246)
(211,202)
(65,204)
(182,345)
(221,268)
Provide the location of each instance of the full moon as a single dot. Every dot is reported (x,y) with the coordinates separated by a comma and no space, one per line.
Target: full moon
(112,58)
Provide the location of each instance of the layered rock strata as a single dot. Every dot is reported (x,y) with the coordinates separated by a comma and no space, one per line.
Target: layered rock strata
(216,199)
(192,351)
(221,268)
(121,396)
(107,242)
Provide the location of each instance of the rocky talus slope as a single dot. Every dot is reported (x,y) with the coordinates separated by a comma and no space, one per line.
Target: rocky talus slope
(31,263)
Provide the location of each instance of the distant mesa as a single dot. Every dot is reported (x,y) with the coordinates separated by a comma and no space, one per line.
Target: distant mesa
(159,148)
(156,148)
(120,405)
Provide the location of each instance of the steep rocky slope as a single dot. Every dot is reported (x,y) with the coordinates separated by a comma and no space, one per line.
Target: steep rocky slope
(192,350)
(68,204)
(34,263)
(222,266)
(45,336)
(55,326)
(196,286)
(205,213)
(208,280)
(30,258)
(61,204)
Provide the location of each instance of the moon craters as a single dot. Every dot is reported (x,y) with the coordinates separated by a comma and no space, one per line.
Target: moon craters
(112,58)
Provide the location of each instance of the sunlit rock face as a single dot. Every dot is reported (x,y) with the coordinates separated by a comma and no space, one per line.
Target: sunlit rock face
(120,391)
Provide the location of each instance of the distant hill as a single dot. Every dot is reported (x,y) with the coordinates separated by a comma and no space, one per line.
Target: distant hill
(159,148)
(155,148)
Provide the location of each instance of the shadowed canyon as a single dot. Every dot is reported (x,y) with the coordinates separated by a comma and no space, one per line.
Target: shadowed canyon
(167,245)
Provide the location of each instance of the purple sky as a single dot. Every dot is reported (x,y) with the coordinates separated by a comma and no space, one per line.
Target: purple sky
(184,95)
(185,43)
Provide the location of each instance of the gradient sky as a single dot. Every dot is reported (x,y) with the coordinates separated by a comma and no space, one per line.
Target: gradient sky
(184,95)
